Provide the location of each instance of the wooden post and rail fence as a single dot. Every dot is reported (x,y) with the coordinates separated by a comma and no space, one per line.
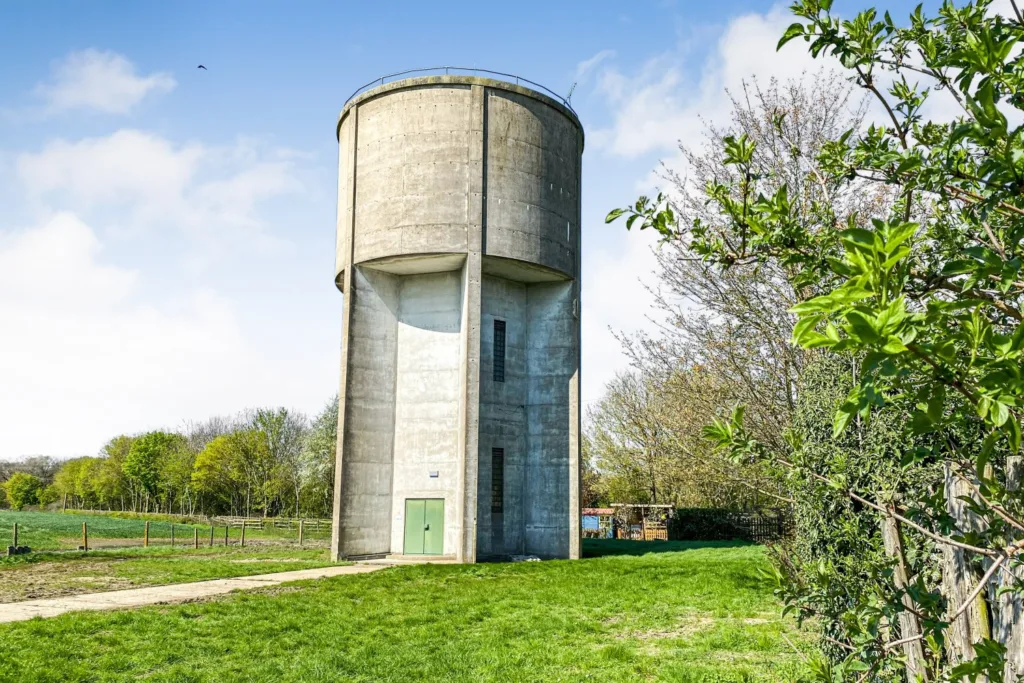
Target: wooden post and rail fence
(242,524)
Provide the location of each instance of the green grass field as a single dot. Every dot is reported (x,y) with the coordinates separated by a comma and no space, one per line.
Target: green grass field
(687,613)
(57,531)
(49,575)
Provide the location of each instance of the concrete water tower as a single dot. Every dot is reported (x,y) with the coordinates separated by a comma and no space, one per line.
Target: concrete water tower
(458,254)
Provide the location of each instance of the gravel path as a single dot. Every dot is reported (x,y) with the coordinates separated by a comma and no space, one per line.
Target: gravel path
(161,595)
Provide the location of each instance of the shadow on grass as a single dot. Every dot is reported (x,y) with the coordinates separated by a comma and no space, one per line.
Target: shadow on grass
(604,547)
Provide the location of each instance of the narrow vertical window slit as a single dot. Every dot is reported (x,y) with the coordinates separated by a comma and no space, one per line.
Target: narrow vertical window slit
(499,350)
(497,481)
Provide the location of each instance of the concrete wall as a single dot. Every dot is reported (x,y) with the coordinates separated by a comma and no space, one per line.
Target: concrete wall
(368,439)
(502,415)
(552,359)
(533,156)
(412,172)
(528,415)
(426,436)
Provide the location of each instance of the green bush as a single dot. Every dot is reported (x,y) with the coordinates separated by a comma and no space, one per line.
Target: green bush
(22,489)
(48,495)
(715,524)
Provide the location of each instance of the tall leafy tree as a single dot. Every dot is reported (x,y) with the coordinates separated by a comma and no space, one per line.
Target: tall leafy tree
(145,457)
(319,453)
(734,323)
(22,489)
(217,476)
(284,433)
(112,484)
(65,481)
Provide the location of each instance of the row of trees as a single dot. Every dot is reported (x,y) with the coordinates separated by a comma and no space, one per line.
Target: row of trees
(895,252)
(264,461)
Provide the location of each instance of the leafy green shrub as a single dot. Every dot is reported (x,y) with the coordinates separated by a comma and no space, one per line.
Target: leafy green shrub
(22,489)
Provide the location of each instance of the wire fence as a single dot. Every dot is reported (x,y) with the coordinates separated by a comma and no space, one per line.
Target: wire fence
(54,531)
(449,70)
(710,524)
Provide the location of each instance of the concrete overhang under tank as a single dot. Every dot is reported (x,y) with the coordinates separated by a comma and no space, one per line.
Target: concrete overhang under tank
(509,269)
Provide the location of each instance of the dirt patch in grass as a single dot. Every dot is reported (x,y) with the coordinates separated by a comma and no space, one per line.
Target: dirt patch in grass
(103,543)
(54,575)
(688,627)
(59,579)
(282,560)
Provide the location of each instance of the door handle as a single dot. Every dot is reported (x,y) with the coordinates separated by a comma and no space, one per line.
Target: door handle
(426,528)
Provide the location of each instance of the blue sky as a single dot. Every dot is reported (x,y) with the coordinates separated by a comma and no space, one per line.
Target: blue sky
(167,233)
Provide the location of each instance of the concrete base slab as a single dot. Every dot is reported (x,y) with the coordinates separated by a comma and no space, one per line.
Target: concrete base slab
(160,595)
(393,560)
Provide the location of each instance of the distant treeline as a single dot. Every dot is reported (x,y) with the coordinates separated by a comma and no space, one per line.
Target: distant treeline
(267,461)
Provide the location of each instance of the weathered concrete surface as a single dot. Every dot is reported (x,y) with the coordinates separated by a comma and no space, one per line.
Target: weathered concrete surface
(160,595)
(459,205)
(427,389)
(503,416)
(533,161)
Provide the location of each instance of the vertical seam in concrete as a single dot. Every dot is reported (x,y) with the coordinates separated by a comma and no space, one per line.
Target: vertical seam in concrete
(527,435)
(337,538)
(483,181)
(399,287)
(468,483)
(460,488)
(575,397)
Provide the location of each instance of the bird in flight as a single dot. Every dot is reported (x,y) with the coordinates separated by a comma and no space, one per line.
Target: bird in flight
(202,67)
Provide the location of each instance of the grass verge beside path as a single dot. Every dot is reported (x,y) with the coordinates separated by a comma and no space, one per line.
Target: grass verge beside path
(687,614)
(50,575)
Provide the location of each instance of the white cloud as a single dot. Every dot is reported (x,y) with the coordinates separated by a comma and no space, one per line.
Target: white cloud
(662,104)
(212,192)
(613,304)
(101,81)
(584,68)
(129,166)
(55,265)
(90,349)
(84,356)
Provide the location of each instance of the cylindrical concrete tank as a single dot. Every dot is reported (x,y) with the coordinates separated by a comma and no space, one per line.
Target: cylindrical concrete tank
(458,245)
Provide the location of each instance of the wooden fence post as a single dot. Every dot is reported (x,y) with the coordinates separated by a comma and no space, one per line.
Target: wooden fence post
(211,534)
(958,578)
(243,534)
(145,535)
(85,537)
(1007,605)
(226,535)
(910,625)
(300,532)
(195,537)
(15,541)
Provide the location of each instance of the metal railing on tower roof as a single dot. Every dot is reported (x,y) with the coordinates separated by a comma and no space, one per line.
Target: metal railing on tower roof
(447,70)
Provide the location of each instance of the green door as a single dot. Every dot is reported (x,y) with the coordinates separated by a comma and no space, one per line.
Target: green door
(424,527)
(433,541)
(414,511)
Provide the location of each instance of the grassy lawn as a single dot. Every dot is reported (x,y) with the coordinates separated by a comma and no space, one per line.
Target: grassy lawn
(688,613)
(48,575)
(57,531)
